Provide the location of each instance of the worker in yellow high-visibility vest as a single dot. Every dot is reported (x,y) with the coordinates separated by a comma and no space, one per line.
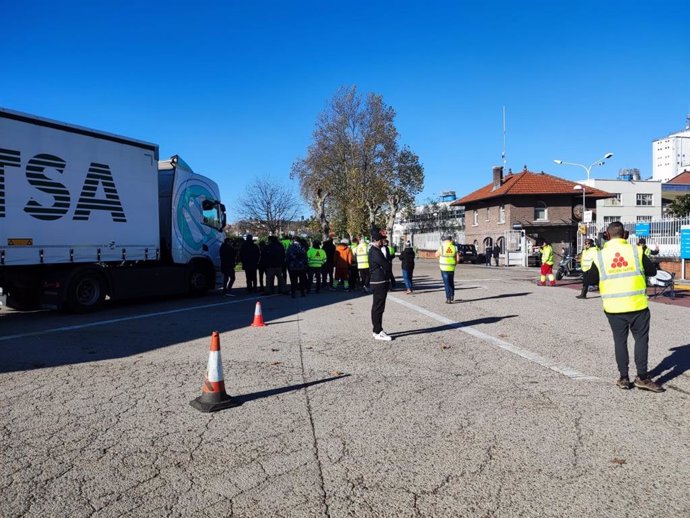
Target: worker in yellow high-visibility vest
(621,269)
(316,258)
(362,255)
(546,263)
(587,257)
(448,257)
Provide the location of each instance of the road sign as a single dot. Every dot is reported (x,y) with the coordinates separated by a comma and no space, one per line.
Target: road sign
(642,229)
(685,242)
(587,216)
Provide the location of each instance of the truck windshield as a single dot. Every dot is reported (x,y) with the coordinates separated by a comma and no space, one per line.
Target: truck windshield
(213,215)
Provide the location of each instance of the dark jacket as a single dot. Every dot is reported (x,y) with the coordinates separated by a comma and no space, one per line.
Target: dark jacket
(329,248)
(407,257)
(296,258)
(249,254)
(379,266)
(275,255)
(228,258)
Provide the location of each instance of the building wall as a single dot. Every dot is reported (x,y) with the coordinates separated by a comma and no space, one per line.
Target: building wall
(628,210)
(521,211)
(670,156)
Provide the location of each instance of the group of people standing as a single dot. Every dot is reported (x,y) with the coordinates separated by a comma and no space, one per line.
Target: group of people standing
(308,267)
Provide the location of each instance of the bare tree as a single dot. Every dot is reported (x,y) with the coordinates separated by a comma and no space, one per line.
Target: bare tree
(269,204)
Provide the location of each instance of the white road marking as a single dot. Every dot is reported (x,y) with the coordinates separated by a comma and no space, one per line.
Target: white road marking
(514,349)
(116,320)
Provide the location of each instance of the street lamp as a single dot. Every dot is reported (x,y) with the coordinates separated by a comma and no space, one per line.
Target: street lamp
(587,169)
(579,187)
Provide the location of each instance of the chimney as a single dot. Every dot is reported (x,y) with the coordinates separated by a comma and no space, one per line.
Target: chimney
(498,177)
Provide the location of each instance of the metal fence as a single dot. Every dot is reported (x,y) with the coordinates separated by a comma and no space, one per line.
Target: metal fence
(664,233)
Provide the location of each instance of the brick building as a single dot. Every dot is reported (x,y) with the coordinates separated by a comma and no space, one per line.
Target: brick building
(540,204)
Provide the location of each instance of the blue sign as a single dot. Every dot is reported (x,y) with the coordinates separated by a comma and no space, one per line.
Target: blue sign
(685,242)
(642,229)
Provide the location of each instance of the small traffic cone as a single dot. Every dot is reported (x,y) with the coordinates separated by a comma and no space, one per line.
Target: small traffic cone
(258,317)
(213,396)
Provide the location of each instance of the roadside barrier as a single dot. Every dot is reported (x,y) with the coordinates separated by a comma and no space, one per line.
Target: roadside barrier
(213,396)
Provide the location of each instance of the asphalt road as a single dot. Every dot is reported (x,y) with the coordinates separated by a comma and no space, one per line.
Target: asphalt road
(503,404)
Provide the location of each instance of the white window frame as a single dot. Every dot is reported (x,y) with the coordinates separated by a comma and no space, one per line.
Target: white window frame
(475,218)
(642,197)
(501,213)
(541,205)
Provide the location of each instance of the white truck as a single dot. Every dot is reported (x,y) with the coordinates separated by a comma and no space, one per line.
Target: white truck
(86,215)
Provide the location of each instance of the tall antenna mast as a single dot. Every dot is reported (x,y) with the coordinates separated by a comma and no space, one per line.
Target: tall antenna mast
(503,155)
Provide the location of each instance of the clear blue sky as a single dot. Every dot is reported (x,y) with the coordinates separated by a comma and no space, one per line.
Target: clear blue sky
(235,87)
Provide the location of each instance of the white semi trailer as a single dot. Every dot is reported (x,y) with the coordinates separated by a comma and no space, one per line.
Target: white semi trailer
(86,215)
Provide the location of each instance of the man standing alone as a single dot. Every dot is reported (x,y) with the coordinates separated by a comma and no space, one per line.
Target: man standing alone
(379,271)
(621,270)
(448,257)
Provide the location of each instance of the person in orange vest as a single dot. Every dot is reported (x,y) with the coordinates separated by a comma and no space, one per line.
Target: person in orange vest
(342,259)
(448,257)
(621,270)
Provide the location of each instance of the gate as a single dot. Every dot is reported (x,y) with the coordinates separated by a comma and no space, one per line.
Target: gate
(516,252)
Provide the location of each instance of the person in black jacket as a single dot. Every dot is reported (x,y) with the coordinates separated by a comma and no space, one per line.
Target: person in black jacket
(407,257)
(327,269)
(249,256)
(228,259)
(275,261)
(379,273)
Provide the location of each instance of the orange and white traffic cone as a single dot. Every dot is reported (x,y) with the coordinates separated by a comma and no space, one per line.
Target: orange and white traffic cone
(213,396)
(258,317)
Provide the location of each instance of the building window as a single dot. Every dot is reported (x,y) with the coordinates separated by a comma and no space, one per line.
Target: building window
(645,199)
(541,213)
(502,214)
(644,218)
(616,201)
(475,218)
(610,219)
(487,214)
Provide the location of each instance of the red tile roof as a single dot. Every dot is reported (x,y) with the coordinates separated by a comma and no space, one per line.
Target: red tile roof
(683,178)
(529,183)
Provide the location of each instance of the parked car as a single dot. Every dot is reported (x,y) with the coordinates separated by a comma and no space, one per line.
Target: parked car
(468,254)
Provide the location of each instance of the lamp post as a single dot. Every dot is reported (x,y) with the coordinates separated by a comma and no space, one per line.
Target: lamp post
(580,187)
(587,169)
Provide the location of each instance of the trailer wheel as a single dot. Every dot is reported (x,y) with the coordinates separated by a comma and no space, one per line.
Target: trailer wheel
(85,292)
(198,280)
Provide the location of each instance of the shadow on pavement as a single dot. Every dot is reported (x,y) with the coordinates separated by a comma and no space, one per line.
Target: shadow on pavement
(244,398)
(676,363)
(447,327)
(502,296)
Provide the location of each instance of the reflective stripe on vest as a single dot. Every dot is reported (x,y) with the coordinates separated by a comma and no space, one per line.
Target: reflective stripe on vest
(362,254)
(446,258)
(622,283)
(316,257)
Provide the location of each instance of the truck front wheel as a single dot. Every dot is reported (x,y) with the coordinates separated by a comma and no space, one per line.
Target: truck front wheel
(198,280)
(85,292)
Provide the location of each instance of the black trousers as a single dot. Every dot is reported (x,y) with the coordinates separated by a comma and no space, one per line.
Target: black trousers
(364,276)
(298,281)
(250,273)
(378,305)
(314,275)
(637,323)
(229,280)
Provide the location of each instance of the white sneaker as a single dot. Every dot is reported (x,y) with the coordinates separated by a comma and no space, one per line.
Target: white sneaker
(382,336)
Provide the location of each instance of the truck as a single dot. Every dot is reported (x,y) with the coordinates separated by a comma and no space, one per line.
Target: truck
(87,216)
